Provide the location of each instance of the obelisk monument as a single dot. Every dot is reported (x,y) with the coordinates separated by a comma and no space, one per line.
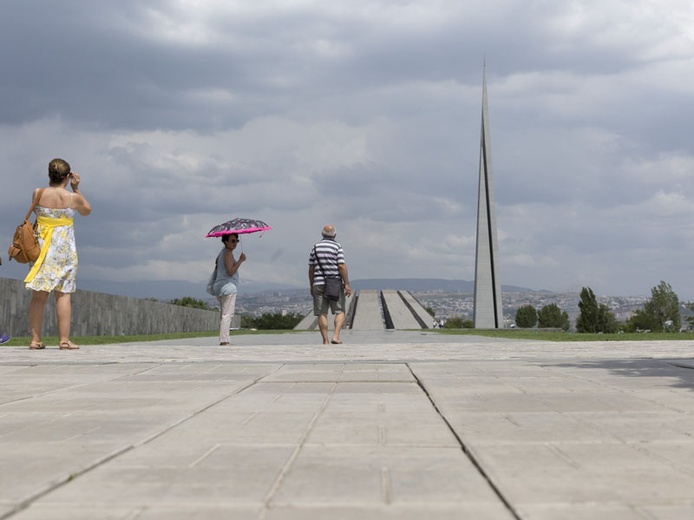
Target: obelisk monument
(488,313)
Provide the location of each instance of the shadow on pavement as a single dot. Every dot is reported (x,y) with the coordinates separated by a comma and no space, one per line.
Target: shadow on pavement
(681,373)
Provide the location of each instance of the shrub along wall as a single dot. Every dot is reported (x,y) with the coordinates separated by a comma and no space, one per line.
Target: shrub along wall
(99,314)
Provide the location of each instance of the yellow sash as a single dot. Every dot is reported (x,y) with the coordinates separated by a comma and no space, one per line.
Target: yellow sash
(47,225)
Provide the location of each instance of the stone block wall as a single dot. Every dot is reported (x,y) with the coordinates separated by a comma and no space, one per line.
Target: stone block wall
(99,314)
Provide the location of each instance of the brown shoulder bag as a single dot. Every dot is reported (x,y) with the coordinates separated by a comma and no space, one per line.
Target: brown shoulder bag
(25,244)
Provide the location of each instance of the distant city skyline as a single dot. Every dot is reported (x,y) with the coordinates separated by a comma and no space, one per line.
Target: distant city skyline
(447,305)
(165,290)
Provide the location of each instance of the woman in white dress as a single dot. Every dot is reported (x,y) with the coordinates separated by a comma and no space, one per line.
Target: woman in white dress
(55,270)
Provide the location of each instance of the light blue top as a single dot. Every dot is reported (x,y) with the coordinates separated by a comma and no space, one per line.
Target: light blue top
(224,284)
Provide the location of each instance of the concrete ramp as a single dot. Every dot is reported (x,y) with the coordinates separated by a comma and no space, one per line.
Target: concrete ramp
(425,319)
(397,314)
(378,310)
(310,322)
(367,313)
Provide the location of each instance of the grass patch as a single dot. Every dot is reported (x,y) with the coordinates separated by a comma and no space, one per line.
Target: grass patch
(542,335)
(107,340)
(528,334)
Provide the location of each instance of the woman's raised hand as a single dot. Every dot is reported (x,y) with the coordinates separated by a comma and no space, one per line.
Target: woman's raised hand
(74,180)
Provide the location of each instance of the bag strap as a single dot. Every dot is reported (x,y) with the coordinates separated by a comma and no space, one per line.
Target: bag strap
(315,254)
(34,203)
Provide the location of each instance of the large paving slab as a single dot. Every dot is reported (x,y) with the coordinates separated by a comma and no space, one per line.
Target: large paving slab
(392,424)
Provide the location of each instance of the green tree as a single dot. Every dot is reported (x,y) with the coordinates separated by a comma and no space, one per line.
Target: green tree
(641,321)
(607,322)
(276,321)
(458,323)
(526,316)
(247,322)
(552,316)
(587,320)
(660,313)
(594,317)
(453,323)
(188,301)
(690,319)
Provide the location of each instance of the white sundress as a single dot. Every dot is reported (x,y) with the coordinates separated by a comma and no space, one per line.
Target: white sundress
(58,272)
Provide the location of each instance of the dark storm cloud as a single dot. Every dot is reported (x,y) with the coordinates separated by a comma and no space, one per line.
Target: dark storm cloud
(182,114)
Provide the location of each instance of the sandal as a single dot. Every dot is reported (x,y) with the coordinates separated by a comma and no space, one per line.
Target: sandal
(68,345)
(37,346)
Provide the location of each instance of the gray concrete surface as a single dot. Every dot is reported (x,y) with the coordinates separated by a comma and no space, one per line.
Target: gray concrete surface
(310,322)
(418,309)
(400,314)
(368,315)
(392,424)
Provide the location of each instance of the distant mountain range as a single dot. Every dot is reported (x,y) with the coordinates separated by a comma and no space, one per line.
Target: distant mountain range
(428,284)
(168,290)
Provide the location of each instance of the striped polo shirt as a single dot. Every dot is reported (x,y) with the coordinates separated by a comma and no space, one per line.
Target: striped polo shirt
(331,255)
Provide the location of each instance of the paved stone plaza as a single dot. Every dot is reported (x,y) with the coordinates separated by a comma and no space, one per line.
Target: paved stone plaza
(392,424)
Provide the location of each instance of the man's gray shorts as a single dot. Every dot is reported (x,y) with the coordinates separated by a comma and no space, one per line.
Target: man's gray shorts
(322,304)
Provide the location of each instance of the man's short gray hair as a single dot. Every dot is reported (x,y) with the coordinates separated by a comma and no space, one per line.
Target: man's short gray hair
(329,231)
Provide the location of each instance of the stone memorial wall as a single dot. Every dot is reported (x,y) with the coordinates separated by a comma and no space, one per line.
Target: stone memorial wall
(99,314)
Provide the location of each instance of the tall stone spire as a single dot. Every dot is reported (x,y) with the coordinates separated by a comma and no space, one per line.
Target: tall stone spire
(488,313)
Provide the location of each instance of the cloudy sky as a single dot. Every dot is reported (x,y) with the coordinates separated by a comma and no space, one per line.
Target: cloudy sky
(182,114)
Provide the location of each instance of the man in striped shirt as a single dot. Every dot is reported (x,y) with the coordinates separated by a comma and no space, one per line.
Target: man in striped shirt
(327,259)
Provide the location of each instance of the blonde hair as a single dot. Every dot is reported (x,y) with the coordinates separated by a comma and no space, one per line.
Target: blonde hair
(58,169)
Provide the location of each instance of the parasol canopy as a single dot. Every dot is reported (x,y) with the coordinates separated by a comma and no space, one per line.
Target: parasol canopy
(239,226)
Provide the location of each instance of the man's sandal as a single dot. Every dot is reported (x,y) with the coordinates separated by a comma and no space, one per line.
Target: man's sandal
(37,346)
(68,345)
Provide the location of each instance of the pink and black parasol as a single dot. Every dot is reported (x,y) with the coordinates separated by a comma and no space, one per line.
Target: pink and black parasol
(239,226)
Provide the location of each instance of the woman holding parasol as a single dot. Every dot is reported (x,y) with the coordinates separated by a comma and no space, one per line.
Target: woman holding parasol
(225,286)
(226,282)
